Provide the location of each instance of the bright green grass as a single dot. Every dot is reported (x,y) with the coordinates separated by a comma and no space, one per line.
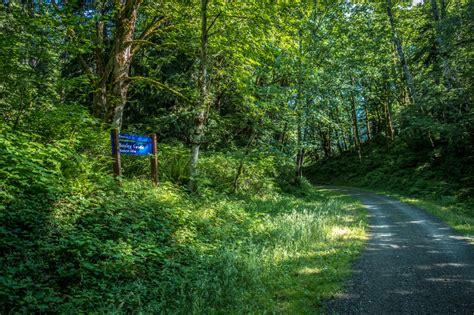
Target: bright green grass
(282,253)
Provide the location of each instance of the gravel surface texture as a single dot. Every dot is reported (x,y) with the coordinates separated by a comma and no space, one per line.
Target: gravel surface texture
(412,264)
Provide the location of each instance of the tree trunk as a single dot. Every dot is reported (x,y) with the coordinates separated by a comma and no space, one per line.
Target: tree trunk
(300,153)
(344,142)
(367,121)
(441,62)
(340,149)
(100,94)
(122,57)
(100,99)
(300,116)
(299,165)
(354,120)
(203,108)
(388,115)
(240,169)
(406,70)
(326,142)
(112,62)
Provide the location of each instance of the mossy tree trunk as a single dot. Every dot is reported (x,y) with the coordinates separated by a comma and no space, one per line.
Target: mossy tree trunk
(202,109)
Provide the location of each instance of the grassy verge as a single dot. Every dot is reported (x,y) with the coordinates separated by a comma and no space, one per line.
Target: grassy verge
(320,273)
(136,248)
(438,182)
(278,253)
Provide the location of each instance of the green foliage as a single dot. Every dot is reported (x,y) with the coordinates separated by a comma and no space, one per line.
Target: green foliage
(29,169)
(399,168)
(29,63)
(137,248)
(174,163)
(85,244)
(100,247)
(257,176)
(77,241)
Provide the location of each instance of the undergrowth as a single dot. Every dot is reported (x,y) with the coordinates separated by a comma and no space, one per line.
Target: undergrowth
(73,240)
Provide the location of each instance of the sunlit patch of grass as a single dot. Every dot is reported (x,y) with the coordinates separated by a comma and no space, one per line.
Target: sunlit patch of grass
(281,253)
(309,270)
(339,232)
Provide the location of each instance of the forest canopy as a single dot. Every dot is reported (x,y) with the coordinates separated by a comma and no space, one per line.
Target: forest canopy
(310,79)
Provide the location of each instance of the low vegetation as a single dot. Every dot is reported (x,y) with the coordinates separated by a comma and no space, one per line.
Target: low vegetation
(75,240)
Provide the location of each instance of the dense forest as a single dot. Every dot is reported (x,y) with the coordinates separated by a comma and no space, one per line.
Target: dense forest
(251,101)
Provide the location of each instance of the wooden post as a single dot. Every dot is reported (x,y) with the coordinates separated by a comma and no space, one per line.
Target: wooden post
(116,152)
(154,161)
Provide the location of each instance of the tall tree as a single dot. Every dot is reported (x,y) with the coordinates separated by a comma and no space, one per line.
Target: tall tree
(202,109)
(401,54)
(126,15)
(117,40)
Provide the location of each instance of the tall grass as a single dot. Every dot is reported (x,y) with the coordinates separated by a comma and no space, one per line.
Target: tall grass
(294,253)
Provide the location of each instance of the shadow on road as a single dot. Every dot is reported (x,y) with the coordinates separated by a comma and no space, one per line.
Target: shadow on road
(412,263)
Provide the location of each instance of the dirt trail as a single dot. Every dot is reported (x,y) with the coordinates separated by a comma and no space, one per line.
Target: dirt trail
(412,264)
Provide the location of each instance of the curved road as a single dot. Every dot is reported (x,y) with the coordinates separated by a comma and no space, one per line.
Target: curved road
(412,264)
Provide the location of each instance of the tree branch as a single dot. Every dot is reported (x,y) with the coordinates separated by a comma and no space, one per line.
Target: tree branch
(144,37)
(213,21)
(161,86)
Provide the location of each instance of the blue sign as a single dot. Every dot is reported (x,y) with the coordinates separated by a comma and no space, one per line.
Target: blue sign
(134,144)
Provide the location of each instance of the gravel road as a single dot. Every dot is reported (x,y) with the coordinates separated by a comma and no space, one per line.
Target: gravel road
(412,264)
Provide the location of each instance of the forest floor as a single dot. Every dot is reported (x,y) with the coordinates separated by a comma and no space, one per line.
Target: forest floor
(413,263)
